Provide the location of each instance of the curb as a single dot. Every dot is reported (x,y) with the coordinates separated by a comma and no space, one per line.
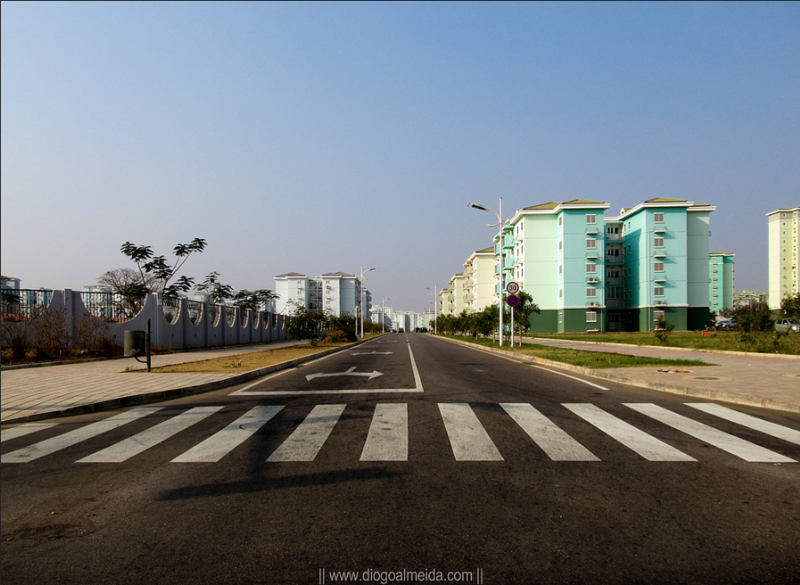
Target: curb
(720,395)
(137,399)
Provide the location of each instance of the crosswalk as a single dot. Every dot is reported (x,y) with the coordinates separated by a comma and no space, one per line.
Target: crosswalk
(387,438)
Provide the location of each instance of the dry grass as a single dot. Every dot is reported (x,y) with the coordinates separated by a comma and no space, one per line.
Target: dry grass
(249,361)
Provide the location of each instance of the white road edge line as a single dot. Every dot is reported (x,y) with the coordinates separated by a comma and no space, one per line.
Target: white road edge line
(573,377)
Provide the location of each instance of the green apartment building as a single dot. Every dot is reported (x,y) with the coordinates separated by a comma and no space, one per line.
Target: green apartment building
(591,273)
(720,281)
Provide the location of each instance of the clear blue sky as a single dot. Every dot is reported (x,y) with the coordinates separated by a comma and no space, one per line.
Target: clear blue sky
(323,137)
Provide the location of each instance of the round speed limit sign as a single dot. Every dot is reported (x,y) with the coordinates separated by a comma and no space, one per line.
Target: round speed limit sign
(512,288)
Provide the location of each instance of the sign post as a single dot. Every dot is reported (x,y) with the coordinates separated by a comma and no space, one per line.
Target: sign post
(513,301)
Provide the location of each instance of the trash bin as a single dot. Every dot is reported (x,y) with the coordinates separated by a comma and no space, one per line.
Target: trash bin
(705,332)
(134,343)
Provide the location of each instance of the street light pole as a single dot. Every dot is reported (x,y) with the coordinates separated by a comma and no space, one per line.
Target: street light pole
(499,217)
(362,296)
(435,310)
(383,313)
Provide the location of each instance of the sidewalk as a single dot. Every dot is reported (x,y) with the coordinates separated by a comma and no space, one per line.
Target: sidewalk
(755,379)
(37,393)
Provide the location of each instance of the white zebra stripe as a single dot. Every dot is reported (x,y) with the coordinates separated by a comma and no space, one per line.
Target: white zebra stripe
(733,445)
(748,421)
(226,440)
(557,444)
(388,434)
(645,445)
(309,436)
(468,439)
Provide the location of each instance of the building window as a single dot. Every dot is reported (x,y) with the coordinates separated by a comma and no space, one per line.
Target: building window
(659,217)
(591,243)
(591,292)
(659,267)
(560,269)
(591,218)
(659,291)
(560,245)
(561,293)
(659,242)
(658,315)
(591,317)
(591,268)
(560,220)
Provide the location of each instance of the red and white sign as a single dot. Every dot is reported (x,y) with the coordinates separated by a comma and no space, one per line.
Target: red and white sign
(512,288)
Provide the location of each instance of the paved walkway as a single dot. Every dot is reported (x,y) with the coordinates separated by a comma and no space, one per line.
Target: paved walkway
(34,393)
(765,380)
(28,394)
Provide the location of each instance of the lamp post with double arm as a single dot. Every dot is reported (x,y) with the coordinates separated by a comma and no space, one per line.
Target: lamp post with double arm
(499,223)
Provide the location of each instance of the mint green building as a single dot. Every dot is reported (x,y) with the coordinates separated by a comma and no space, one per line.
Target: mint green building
(591,273)
(720,281)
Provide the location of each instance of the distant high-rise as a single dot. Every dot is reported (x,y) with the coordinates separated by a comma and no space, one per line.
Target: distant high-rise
(784,253)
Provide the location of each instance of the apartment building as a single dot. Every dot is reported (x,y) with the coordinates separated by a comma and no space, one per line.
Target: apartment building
(480,280)
(454,297)
(720,281)
(784,253)
(591,273)
(335,293)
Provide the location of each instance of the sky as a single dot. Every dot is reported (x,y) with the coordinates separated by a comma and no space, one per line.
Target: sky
(327,137)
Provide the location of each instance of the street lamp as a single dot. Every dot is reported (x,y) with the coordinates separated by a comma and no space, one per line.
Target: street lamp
(499,217)
(363,272)
(383,313)
(435,310)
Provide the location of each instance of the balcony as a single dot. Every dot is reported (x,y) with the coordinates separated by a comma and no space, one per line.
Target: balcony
(592,280)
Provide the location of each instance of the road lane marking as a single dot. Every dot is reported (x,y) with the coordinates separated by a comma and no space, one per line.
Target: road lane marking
(748,421)
(136,444)
(373,353)
(246,391)
(350,372)
(557,444)
(226,440)
(722,440)
(468,439)
(71,438)
(23,430)
(573,377)
(309,436)
(388,434)
(645,445)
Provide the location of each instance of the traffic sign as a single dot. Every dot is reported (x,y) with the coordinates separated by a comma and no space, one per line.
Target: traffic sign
(512,288)
(512,300)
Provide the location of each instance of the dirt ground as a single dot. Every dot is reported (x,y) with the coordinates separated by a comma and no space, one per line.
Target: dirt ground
(247,361)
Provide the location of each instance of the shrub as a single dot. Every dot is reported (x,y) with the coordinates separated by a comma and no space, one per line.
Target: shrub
(51,336)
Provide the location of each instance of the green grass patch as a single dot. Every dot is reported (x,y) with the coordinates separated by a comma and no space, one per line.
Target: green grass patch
(757,342)
(586,359)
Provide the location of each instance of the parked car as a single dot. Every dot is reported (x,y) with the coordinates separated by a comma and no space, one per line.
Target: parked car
(786,325)
(727,324)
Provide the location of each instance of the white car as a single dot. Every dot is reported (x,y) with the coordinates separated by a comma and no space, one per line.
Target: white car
(786,325)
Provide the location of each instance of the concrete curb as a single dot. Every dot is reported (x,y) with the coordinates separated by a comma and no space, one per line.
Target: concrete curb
(720,395)
(138,399)
(668,348)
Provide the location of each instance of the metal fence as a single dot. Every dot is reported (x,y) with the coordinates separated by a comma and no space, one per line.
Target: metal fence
(24,304)
(111,307)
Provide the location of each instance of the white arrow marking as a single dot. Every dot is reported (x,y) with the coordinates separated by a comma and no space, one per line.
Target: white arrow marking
(349,372)
(373,353)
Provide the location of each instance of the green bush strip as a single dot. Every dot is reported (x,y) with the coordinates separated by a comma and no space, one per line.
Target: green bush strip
(586,359)
(757,342)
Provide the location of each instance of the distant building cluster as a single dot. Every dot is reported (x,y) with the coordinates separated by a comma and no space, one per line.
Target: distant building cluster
(588,272)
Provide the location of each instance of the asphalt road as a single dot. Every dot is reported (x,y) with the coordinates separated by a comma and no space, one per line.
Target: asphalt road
(407,453)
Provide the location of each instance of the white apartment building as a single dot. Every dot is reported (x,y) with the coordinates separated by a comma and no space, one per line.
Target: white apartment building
(784,253)
(335,293)
(480,280)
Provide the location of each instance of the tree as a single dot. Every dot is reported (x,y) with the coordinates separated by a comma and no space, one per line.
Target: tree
(790,305)
(254,300)
(128,285)
(523,312)
(158,268)
(305,324)
(217,292)
(753,318)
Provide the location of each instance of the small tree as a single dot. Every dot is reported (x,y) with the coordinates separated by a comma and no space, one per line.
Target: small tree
(217,292)
(157,266)
(523,312)
(790,305)
(130,289)
(663,329)
(305,324)
(254,300)
(755,318)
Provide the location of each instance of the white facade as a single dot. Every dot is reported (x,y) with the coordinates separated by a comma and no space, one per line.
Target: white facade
(335,293)
(784,254)
(480,280)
